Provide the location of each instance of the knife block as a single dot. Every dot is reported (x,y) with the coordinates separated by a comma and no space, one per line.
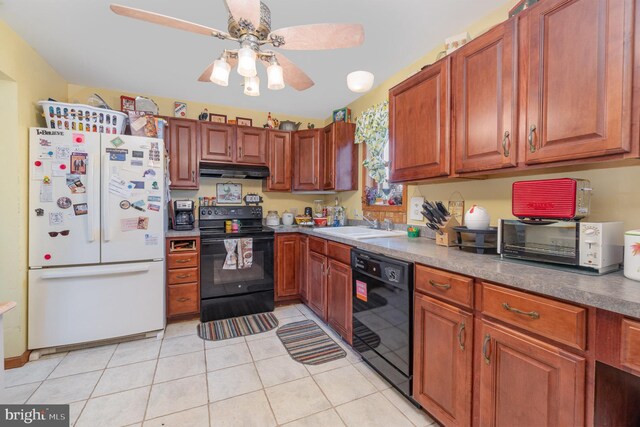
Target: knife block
(449,236)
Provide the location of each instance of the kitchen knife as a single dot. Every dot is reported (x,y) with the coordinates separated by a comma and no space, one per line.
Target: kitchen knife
(442,209)
(434,214)
(429,216)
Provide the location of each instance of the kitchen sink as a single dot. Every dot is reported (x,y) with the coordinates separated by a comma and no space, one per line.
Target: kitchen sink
(360,233)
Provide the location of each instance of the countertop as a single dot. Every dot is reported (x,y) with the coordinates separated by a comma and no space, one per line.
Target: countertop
(611,291)
(186,233)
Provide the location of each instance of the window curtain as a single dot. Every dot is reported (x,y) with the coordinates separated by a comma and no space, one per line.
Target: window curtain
(372,128)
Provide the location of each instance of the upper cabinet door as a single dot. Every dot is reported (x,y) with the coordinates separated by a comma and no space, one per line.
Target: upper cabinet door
(251,145)
(419,121)
(485,102)
(217,142)
(279,160)
(306,160)
(183,152)
(579,70)
(329,168)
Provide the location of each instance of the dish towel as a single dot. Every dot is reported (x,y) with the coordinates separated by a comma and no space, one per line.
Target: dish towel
(231,261)
(245,253)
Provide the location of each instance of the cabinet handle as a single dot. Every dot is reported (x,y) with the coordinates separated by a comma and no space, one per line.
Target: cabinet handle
(183,299)
(444,286)
(532,144)
(327,271)
(182,261)
(183,276)
(314,179)
(485,356)
(240,151)
(506,143)
(193,176)
(532,314)
(461,339)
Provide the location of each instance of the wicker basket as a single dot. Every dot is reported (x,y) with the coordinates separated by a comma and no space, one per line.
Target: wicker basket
(82,118)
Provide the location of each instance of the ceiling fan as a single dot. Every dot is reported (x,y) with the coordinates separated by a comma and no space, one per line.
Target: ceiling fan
(250,26)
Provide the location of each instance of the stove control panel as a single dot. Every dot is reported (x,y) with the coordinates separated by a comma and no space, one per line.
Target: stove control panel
(230,212)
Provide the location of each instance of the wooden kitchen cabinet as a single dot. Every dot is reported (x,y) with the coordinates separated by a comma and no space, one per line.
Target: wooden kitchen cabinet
(251,145)
(183,277)
(329,160)
(485,134)
(279,161)
(302,268)
(578,79)
(419,125)
(340,162)
(307,152)
(443,361)
(317,294)
(217,142)
(182,145)
(286,260)
(526,382)
(339,313)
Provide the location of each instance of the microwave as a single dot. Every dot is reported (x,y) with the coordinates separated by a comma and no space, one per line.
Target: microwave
(593,246)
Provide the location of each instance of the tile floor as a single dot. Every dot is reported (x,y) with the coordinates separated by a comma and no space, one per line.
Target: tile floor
(183,381)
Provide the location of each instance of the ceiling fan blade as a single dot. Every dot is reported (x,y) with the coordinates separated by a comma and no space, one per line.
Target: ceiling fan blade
(167,21)
(293,75)
(247,9)
(206,74)
(320,36)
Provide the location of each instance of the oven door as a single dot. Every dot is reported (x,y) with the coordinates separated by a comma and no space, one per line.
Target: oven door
(217,282)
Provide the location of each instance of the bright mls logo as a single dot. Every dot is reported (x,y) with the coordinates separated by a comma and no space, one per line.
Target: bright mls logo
(35,415)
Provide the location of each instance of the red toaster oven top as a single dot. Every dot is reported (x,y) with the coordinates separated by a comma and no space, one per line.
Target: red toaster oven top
(546,199)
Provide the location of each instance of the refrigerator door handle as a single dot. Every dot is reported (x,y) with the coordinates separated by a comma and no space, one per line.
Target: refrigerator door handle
(106,228)
(97,271)
(91,222)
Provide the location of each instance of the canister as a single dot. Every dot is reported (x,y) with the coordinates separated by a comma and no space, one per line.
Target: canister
(632,254)
(227,226)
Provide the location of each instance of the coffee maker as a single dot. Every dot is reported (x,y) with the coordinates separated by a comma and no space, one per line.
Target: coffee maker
(183,217)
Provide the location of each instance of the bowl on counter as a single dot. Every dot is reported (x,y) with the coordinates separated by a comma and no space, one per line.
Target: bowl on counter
(320,222)
(302,220)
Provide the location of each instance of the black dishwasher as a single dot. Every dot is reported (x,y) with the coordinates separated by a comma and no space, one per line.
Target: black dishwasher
(382,294)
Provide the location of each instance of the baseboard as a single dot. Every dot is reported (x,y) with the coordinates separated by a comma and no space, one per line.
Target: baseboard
(17,361)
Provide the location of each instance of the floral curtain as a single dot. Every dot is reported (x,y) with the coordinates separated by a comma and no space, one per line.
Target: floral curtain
(372,128)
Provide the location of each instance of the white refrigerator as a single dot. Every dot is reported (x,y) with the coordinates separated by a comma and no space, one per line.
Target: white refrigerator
(96,236)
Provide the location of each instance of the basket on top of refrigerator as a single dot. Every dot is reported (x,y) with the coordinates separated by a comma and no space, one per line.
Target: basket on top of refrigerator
(81,117)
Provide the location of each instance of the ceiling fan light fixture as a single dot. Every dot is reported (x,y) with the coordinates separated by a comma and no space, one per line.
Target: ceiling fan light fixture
(220,73)
(247,62)
(252,86)
(360,81)
(275,76)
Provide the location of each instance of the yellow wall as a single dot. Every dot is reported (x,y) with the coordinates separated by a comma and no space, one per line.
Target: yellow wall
(24,79)
(612,197)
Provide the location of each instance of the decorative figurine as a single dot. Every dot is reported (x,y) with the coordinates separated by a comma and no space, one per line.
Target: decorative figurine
(204,115)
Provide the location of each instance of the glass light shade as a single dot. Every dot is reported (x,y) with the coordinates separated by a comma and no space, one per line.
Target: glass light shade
(220,73)
(247,62)
(252,86)
(276,78)
(359,81)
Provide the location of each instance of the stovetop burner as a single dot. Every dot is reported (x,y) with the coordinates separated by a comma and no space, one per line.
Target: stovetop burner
(212,220)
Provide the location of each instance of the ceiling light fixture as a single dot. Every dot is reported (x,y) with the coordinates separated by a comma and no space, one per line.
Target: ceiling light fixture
(275,75)
(220,73)
(360,81)
(247,61)
(252,86)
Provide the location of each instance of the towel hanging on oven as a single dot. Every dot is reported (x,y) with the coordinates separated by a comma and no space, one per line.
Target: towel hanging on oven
(245,253)
(231,261)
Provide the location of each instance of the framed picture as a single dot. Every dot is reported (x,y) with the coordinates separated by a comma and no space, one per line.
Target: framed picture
(243,121)
(342,115)
(127,103)
(179,109)
(229,194)
(217,118)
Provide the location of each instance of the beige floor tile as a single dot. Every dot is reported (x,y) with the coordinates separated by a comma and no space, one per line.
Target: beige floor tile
(287,311)
(280,369)
(77,362)
(371,375)
(75,409)
(17,395)
(228,356)
(114,410)
(135,351)
(66,389)
(266,348)
(196,417)
(296,399)
(328,366)
(177,329)
(292,320)
(223,343)
(344,385)
(125,377)
(415,415)
(234,381)
(32,372)
(372,411)
(328,418)
(262,335)
(248,410)
(177,395)
(181,345)
(183,365)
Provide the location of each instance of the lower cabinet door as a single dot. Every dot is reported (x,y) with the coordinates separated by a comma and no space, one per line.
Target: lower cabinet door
(316,275)
(182,299)
(339,298)
(286,260)
(526,382)
(442,362)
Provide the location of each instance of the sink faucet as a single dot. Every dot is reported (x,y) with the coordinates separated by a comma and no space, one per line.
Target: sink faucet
(373,223)
(388,224)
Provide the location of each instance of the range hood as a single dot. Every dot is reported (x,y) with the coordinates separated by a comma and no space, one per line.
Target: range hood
(233,171)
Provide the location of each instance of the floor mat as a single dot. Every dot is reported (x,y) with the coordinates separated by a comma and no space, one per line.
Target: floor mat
(307,343)
(237,326)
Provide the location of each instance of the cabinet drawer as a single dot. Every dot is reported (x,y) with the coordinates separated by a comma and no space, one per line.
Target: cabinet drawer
(183,275)
(339,252)
(556,320)
(442,284)
(318,245)
(182,260)
(182,299)
(630,351)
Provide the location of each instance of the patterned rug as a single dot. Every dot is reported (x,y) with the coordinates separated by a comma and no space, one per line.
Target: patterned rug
(307,343)
(237,326)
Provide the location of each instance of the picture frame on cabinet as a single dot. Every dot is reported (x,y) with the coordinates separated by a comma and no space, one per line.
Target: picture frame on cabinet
(217,118)
(127,103)
(243,121)
(229,193)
